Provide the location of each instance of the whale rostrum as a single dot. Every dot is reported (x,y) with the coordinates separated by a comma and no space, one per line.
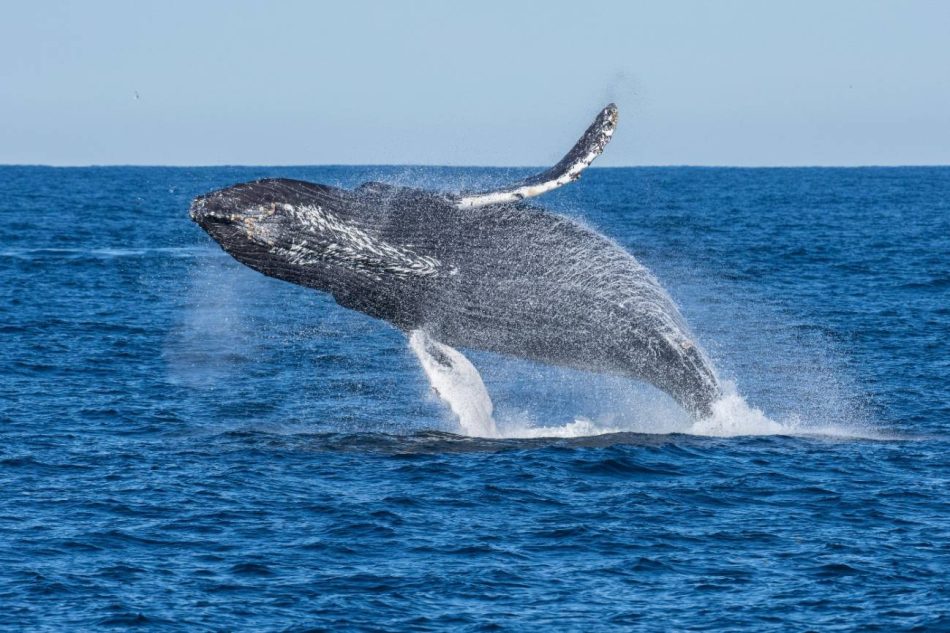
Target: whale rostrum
(482,270)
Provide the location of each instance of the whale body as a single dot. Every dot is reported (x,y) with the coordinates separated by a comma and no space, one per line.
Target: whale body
(479,271)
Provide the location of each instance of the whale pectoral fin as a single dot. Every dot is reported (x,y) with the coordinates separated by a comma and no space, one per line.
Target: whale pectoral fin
(569,169)
(457,382)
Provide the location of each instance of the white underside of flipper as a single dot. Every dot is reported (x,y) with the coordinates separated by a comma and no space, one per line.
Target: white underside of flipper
(569,169)
(457,383)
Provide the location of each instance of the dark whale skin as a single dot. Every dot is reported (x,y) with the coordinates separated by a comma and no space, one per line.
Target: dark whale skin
(508,278)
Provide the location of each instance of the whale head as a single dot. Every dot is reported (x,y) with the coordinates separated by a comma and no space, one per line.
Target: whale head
(259,228)
(317,236)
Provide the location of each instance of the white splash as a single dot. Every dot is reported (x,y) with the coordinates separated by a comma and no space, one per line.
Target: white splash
(459,385)
(732,416)
(581,427)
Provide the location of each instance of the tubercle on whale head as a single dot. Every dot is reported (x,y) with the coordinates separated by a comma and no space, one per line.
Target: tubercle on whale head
(210,208)
(219,206)
(197,208)
(248,231)
(225,215)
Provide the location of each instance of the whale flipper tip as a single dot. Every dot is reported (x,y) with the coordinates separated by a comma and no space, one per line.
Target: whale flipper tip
(587,148)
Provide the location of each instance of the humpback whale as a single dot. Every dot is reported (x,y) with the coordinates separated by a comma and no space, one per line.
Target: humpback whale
(472,270)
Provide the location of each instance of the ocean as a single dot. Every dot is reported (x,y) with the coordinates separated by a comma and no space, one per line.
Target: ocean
(187,445)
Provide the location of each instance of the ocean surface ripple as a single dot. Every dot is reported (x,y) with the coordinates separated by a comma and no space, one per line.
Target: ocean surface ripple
(188,445)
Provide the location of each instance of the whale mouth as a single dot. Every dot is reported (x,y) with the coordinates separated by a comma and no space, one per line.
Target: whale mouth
(231,228)
(204,213)
(227,219)
(199,208)
(210,209)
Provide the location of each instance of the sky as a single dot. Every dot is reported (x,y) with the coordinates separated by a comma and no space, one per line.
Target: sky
(845,82)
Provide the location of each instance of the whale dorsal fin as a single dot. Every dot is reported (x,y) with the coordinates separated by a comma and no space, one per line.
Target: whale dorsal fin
(568,169)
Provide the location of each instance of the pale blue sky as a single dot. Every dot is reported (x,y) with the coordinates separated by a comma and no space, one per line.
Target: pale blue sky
(851,82)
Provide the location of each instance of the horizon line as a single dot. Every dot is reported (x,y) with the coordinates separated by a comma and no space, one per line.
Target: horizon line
(461,166)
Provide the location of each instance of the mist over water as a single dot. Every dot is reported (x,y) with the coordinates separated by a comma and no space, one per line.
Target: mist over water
(186,444)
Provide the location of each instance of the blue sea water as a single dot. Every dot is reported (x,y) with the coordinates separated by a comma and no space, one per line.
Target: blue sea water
(188,445)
